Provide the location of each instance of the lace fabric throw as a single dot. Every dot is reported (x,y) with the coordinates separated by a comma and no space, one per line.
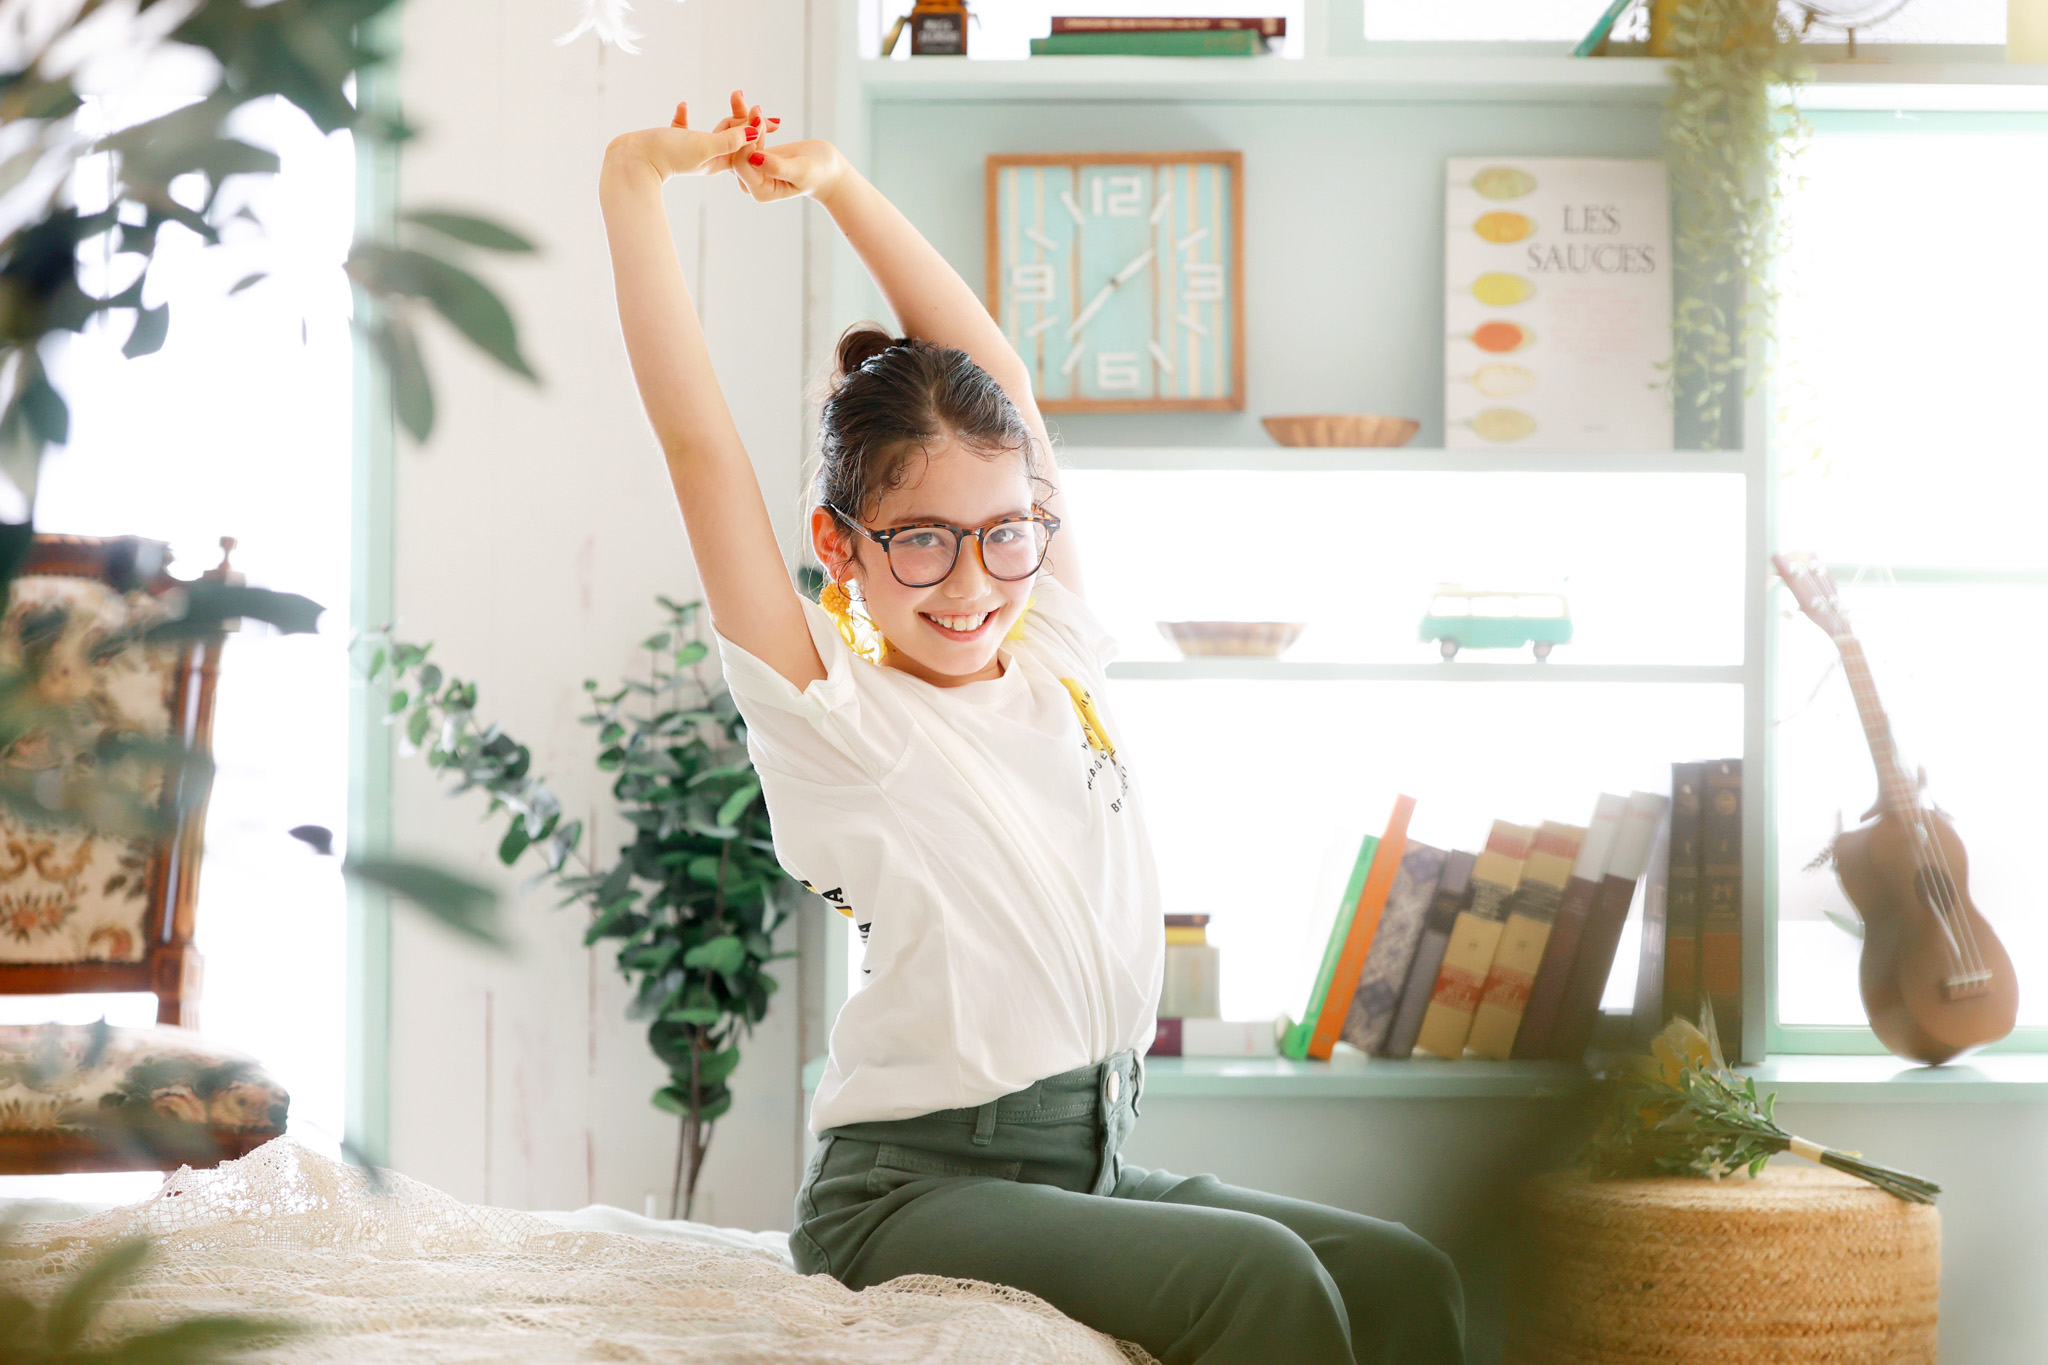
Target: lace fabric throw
(407,1275)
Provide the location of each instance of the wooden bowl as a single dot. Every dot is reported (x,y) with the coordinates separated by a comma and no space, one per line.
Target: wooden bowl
(1342,429)
(1239,639)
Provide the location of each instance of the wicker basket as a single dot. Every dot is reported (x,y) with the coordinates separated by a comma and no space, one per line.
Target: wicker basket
(1242,639)
(1341,429)
(1801,1266)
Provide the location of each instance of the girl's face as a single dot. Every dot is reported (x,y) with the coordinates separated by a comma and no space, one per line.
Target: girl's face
(960,488)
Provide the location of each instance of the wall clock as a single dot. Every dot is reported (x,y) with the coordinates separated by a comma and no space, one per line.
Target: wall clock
(1119,277)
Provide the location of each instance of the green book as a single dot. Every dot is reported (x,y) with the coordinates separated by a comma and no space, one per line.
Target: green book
(1295,1042)
(1206,43)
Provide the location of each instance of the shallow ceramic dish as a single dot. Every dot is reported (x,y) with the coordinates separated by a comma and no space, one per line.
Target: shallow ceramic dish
(1342,429)
(1240,639)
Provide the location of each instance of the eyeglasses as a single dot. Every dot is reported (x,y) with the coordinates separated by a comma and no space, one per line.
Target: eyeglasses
(925,553)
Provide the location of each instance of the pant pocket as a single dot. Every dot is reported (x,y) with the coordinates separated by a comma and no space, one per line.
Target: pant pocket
(896,1166)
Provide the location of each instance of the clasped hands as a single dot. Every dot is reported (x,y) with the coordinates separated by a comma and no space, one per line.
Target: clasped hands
(739,143)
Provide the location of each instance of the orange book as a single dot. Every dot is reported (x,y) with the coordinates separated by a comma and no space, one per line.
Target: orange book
(1365,922)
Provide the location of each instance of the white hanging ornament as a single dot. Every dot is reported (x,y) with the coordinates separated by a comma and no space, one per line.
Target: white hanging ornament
(607,19)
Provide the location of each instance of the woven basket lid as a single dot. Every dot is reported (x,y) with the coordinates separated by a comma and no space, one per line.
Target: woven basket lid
(1801,1266)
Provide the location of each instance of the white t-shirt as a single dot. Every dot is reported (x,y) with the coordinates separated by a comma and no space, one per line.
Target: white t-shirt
(987,840)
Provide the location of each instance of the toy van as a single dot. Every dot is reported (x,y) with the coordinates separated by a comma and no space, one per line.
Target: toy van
(1474,618)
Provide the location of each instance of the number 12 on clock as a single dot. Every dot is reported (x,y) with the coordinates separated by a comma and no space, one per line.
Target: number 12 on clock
(1118,277)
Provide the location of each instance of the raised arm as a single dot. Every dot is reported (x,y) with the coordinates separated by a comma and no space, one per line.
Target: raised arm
(731,535)
(930,300)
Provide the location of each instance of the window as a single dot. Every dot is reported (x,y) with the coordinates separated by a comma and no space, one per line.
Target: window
(1909,444)
(242,425)
(1566,21)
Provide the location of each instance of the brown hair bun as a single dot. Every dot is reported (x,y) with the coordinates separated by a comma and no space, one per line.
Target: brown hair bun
(861,343)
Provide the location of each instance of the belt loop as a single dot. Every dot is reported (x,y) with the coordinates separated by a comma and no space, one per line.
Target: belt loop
(985,1124)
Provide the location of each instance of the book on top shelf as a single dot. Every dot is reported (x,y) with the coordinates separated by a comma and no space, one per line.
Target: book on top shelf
(1393,948)
(1682,894)
(1634,852)
(1213,1038)
(1531,912)
(1294,1041)
(1273,26)
(1546,989)
(1721,899)
(1453,893)
(1447,1023)
(1365,922)
(1242,42)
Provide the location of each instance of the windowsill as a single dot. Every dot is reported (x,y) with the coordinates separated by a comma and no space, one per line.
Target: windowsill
(1801,1078)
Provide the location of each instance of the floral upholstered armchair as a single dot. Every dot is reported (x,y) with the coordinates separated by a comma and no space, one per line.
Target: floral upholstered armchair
(89,911)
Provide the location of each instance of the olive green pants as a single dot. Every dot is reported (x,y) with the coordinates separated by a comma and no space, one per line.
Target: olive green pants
(1030,1191)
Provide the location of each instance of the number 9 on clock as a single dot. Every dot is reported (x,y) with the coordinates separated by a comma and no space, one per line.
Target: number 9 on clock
(1118,277)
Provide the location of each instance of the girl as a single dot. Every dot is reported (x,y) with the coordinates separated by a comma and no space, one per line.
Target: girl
(940,764)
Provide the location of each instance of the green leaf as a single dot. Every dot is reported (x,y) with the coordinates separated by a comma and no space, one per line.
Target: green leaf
(724,954)
(469,229)
(152,325)
(691,653)
(399,701)
(456,902)
(703,868)
(715,1108)
(376,665)
(412,393)
(210,604)
(430,678)
(514,843)
(45,411)
(704,1016)
(247,282)
(656,641)
(738,802)
(73,1312)
(713,1068)
(416,726)
(672,1099)
(464,300)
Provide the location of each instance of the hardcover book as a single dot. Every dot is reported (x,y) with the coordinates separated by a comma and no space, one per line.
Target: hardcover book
(1682,894)
(1642,824)
(1546,992)
(1453,893)
(1191,987)
(1365,923)
(1531,912)
(1242,42)
(1393,948)
(1474,938)
(1270,27)
(1647,1017)
(1294,1043)
(1721,899)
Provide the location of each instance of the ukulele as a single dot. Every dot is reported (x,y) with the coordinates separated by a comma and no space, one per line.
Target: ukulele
(1936,981)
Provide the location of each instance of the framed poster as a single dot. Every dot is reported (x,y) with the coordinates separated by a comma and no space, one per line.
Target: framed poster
(1119,277)
(1557,304)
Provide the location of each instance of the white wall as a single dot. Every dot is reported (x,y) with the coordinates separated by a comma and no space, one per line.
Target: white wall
(531,537)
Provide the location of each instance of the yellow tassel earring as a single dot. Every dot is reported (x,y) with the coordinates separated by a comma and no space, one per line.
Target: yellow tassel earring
(1017,630)
(838,604)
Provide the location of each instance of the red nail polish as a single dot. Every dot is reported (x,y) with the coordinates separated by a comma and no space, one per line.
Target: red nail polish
(753,133)
(757,160)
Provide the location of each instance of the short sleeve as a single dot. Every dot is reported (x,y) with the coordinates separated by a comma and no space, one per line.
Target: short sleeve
(1067,618)
(814,733)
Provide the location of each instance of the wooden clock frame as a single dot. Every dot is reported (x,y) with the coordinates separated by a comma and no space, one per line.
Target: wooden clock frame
(1234,401)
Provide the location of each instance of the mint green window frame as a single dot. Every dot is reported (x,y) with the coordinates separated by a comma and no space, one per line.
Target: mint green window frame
(1858,1039)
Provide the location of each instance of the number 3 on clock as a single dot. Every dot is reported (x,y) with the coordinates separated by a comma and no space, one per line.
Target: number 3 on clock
(1118,277)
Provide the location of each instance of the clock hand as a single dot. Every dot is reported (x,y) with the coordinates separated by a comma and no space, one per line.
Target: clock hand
(1115,283)
(1094,307)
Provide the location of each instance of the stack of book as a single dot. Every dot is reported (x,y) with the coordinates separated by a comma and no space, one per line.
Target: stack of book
(1692,916)
(1157,36)
(1500,953)
(1189,1001)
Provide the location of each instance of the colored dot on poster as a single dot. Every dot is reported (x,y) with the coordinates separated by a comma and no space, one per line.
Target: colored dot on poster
(1504,424)
(1501,337)
(1501,226)
(1500,290)
(1503,182)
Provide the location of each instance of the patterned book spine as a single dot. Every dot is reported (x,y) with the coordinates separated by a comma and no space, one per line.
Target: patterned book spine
(1721,899)
(1393,948)
(1469,955)
(1682,894)
(1522,939)
(1546,993)
(1365,925)
(1295,1042)
(1453,894)
(1641,826)
(1271,27)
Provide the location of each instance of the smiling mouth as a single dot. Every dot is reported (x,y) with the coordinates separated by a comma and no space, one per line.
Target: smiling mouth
(962,625)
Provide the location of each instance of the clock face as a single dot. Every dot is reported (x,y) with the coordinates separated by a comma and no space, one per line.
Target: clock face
(1117,277)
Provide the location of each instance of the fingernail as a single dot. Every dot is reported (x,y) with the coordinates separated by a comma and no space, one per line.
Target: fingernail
(753,133)
(757,160)
(774,121)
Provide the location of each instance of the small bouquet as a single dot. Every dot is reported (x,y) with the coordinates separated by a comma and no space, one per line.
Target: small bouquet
(1681,1111)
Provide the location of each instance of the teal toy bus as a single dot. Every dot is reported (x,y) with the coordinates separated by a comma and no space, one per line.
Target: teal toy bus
(1473,618)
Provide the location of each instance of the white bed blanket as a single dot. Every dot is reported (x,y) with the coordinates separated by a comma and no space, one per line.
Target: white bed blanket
(406,1275)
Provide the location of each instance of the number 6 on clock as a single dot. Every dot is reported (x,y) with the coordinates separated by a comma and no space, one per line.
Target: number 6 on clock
(1119,278)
